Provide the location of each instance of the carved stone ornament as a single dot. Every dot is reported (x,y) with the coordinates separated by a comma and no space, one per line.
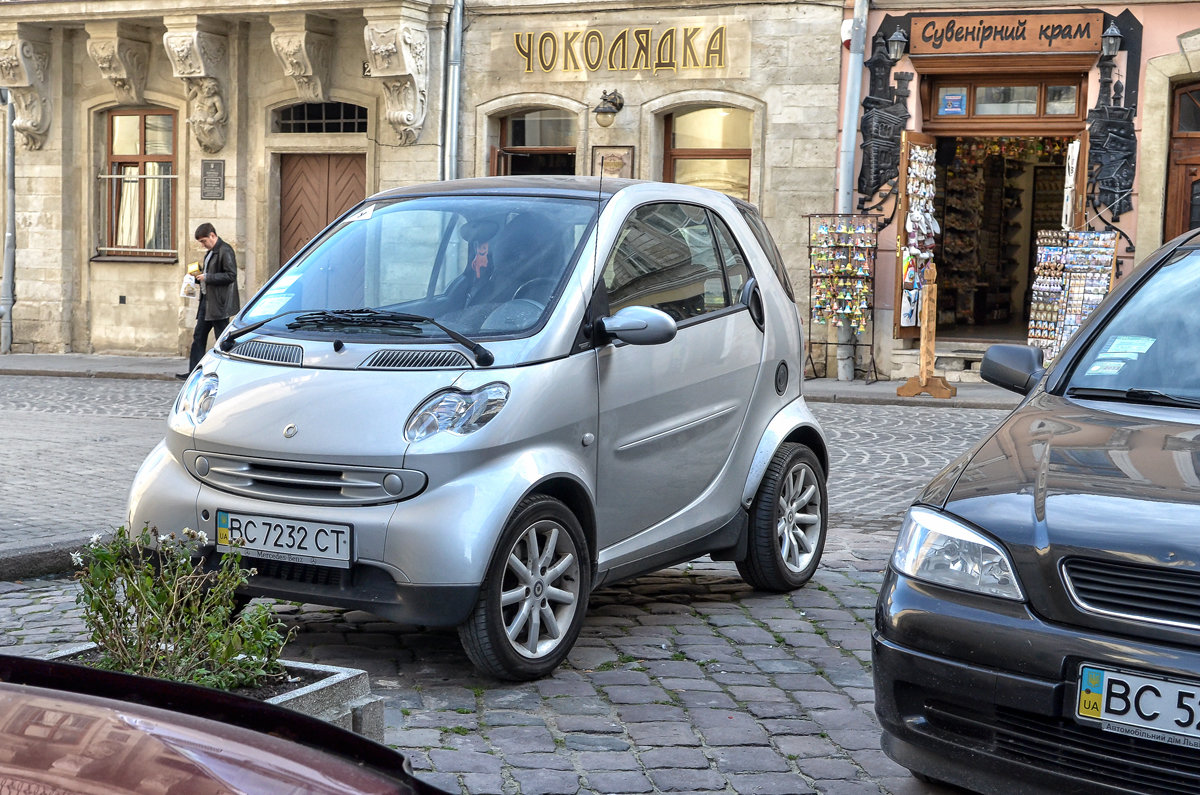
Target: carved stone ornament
(305,56)
(398,55)
(24,71)
(124,63)
(200,59)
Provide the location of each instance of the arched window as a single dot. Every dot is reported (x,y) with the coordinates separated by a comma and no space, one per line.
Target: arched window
(709,147)
(138,185)
(536,142)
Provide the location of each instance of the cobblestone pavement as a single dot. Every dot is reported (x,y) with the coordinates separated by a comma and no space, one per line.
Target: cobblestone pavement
(684,680)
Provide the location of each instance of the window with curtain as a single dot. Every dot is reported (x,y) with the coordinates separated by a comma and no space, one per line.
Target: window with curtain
(138,184)
(710,147)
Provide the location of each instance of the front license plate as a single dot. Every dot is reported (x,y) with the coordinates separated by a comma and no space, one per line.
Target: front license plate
(292,540)
(1137,705)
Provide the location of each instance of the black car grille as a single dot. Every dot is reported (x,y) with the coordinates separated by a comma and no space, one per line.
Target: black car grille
(415,360)
(299,572)
(269,352)
(1080,752)
(1143,593)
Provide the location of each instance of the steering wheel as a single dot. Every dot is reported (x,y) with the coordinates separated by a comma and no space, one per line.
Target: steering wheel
(535,289)
(517,309)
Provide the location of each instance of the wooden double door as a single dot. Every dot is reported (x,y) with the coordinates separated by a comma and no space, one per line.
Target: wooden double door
(314,189)
(1183,166)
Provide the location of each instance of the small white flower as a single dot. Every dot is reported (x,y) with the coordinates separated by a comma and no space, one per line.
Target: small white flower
(95,539)
(162,539)
(77,559)
(202,537)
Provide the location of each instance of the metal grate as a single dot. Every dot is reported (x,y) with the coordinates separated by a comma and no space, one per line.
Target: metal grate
(299,572)
(323,117)
(414,360)
(269,352)
(1143,593)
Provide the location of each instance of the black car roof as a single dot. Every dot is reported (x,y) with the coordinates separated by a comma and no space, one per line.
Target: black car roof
(563,186)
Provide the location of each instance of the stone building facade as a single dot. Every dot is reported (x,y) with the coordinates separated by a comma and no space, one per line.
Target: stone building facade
(137,122)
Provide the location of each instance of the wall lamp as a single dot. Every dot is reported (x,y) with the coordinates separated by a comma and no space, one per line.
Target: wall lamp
(610,103)
(897,43)
(1110,40)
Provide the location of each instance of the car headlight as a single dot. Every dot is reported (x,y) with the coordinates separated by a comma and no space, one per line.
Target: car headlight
(456,411)
(196,398)
(935,548)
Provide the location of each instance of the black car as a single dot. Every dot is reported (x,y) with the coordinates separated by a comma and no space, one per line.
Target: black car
(1038,628)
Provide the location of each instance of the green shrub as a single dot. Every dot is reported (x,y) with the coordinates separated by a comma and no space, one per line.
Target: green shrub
(152,610)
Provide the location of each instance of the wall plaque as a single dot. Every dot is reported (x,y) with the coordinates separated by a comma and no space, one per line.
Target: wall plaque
(995,34)
(212,179)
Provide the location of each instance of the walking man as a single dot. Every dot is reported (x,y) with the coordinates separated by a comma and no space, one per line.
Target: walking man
(218,293)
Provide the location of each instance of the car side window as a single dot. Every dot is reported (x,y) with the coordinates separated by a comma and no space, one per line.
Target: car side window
(736,272)
(759,228)
(666,258)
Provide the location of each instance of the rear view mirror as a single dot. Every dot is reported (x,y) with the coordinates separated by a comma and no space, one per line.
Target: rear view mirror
(639,325)
(1015,367)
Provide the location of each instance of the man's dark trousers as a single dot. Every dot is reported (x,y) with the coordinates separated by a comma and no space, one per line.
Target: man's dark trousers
(200,335)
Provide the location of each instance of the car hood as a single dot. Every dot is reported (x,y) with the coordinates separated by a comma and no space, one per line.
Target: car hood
(1073,488)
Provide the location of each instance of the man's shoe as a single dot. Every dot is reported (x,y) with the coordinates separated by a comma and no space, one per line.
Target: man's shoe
(182,376)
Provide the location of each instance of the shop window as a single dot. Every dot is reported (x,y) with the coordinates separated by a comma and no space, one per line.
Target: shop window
(138,184)
(536,142)
(988,102)
(710,147)
(321,117)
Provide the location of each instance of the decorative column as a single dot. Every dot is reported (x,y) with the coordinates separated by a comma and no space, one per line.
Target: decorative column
(25,72)
(200,58)
(397,52)
(304,45)
(122,52)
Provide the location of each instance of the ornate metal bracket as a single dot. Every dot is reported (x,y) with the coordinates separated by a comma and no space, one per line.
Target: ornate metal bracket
(200,59)
(122,52)
(398,55)
(885,115)
(1112,148)
(24,71)
(304,45)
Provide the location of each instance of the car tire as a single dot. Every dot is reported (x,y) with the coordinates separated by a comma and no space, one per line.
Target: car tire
(788,522)
(541,572)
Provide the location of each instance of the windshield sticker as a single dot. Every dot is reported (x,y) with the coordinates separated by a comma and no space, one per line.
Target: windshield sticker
(362,214)
(1127,344)
(1106,367)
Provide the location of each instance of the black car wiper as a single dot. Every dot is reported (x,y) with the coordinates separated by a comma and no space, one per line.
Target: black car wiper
(1133,395)
(384,317)
(343,318)
(228,340)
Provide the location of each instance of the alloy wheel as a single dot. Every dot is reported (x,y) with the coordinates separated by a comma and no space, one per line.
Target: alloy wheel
(798,526)
(540,590)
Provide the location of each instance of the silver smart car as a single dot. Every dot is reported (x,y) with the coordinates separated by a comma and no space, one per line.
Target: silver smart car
(471,403)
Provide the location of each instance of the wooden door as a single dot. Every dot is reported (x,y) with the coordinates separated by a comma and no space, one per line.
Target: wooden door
(314,189)
(1183,164)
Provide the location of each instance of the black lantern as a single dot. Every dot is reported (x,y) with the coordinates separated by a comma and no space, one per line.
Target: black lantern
(1110,40)
(897,43)
(610,103)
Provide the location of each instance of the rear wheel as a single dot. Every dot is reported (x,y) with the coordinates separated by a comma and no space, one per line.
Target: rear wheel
(787,522)
(534,597)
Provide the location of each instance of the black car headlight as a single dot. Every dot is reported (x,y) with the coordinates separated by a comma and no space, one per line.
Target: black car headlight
(935,548)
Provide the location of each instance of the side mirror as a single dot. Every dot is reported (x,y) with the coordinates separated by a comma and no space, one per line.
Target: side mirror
(1017,368)
(639,325)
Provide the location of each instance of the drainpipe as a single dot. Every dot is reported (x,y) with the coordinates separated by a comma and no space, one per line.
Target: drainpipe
(454,36)
(845,189)
(8,294)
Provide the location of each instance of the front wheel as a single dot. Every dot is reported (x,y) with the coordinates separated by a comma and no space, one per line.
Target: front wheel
(534,597)
(788,522)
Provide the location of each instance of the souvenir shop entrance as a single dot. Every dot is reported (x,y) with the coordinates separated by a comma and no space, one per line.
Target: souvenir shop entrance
(992,196)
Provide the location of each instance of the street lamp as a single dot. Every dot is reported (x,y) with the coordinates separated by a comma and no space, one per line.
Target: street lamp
(897,43)
(1110,40)
(610,103)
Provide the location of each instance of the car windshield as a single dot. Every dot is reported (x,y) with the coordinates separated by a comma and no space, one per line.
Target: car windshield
(487,266)
(1147,350)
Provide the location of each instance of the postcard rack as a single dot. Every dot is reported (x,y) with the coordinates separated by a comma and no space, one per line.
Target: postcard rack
(841,285)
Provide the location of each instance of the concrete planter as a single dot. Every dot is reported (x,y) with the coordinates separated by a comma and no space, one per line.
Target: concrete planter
(341,697)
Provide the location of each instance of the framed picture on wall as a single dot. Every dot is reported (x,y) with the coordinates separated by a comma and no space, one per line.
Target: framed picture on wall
(616,161)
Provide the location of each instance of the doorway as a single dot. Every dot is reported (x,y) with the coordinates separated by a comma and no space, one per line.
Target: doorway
(314,189)
(993,195)
(1183,168)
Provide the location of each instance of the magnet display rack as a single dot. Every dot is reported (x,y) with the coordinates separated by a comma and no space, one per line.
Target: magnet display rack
(1073,274)
(841,282)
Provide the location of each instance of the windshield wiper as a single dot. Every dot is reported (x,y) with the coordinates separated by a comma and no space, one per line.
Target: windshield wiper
(1133,395)
(384,317)
(228,340)
(343,318)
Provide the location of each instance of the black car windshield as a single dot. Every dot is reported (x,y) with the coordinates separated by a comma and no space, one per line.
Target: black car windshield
(486,266)
(1148,351)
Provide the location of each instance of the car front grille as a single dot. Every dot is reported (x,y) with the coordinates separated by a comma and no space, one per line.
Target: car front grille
(1143,593)
(1064,747)
(269,352)
(303,482)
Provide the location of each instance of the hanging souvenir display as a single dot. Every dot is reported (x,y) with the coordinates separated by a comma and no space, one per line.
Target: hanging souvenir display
(1073,274)
(842,269)
(921,227)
